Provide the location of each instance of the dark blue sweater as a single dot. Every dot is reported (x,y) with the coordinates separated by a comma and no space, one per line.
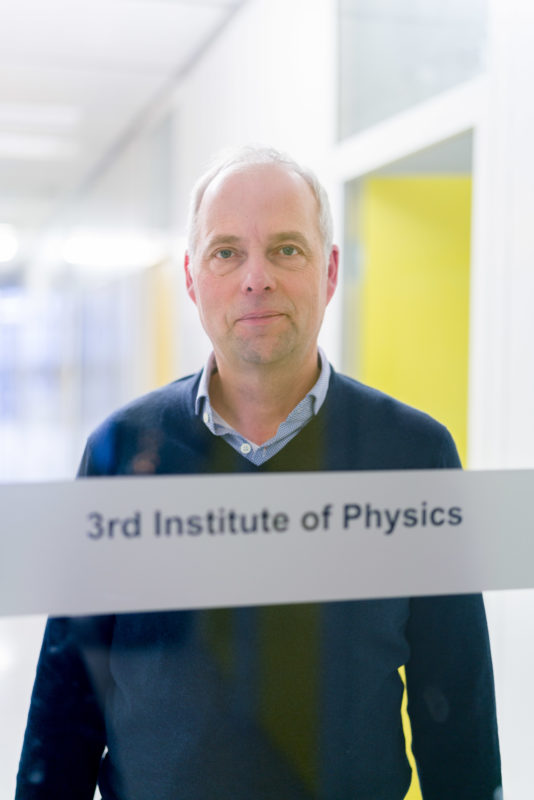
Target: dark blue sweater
(192,706)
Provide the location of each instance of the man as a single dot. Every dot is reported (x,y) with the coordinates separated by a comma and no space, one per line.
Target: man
(157,689)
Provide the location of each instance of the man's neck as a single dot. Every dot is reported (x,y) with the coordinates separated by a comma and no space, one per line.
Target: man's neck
(257,401)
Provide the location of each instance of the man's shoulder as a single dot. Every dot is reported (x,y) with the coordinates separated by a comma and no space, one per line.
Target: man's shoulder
(347,390)
(178,397)
(383,424)
(137,430)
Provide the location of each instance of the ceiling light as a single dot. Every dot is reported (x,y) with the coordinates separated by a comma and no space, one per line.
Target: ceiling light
(28,147)
(113,252)
(59,118)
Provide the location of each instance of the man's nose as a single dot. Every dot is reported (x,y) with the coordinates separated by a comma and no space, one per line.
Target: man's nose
(258,275)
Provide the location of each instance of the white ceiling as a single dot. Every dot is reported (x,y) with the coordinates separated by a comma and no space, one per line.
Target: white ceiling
(74,76)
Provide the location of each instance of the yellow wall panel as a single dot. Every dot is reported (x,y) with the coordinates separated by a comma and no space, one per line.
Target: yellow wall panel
(289,684)
(415,294)
(162,300)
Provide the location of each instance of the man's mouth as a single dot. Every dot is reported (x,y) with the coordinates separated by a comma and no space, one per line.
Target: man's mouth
(260,317)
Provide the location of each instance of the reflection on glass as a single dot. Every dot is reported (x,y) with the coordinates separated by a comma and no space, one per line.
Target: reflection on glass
(65,359)
(36,370)
(295,702)
(396,53)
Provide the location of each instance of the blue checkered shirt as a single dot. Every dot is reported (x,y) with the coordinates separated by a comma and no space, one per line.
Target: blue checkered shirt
(297,419)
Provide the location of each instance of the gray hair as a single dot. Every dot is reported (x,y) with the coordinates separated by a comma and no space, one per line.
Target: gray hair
(252,155)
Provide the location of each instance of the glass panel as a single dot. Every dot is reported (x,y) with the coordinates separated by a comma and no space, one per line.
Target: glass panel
(396,53)
(296,702)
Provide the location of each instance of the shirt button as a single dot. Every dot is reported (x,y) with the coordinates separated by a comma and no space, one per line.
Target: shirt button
(206,417)
(246,448)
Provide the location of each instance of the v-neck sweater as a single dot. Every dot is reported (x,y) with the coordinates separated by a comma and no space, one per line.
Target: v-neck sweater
(177,726)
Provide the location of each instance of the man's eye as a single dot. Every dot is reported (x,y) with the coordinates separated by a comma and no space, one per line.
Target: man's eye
(289,250)
(225,253)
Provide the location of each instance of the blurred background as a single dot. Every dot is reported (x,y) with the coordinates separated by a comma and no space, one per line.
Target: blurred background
(418,117)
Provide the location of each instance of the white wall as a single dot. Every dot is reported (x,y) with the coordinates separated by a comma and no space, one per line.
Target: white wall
(267,79)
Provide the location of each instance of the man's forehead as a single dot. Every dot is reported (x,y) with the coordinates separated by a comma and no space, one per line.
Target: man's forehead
(260,191)
(263,178)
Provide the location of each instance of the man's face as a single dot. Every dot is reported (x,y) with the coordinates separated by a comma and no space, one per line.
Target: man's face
(258,275)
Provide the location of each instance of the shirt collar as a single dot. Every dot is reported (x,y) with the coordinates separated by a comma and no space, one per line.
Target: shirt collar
(317,392)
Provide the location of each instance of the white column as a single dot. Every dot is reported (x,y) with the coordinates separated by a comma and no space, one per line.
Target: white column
(501,396)
(501,424)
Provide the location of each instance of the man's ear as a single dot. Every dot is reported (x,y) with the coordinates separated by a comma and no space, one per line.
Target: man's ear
(188,278)
(332,272)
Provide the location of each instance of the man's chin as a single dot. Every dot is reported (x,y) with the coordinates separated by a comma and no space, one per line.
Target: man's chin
(265,353)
